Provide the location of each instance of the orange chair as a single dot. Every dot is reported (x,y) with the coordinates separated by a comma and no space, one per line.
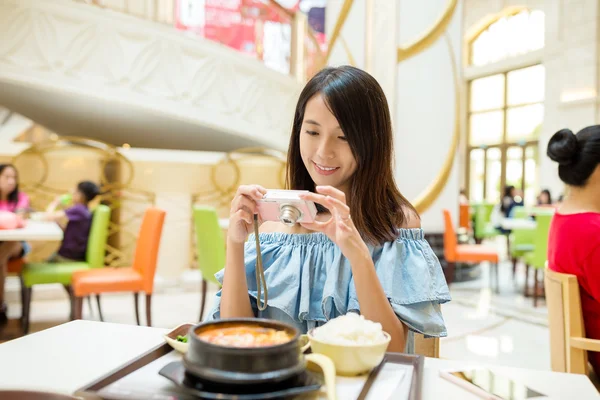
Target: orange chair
(467,253)
(464,219)
(138,278)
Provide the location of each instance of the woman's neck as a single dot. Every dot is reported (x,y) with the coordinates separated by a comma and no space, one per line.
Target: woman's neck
(586,199)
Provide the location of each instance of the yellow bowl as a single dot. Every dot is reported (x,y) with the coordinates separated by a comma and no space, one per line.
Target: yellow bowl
(351,360)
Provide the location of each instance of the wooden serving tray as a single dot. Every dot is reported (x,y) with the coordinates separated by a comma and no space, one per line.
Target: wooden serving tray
(93,389)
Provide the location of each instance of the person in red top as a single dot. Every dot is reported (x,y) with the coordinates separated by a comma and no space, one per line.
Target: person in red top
(574,240)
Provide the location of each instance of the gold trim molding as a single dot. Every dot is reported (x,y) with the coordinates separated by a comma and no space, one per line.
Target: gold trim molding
(429,37)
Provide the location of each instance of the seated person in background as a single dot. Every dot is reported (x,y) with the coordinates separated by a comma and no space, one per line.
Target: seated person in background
(511,199)
(79,221)
(12,200)
(574,239)
(462,197)
(544,199)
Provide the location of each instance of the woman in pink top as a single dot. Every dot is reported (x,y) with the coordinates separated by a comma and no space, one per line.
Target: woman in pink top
(17,202)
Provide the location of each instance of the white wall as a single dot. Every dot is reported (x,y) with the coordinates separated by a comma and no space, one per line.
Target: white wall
(425,106)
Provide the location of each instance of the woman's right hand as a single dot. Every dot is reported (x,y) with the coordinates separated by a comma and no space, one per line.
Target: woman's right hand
(241,214)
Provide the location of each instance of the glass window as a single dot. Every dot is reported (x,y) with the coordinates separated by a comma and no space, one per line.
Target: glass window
(531,157)
(493,173)
(522,123)
(487,93)
(477,160)
(486,128)
(509,36)
(526,86)
(514,167)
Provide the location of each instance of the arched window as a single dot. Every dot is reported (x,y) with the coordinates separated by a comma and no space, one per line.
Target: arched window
(506,108)
(507,37)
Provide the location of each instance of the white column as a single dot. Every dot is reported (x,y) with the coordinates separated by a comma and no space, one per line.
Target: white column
(380,45)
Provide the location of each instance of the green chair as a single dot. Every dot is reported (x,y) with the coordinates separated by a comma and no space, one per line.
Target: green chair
(537,258)
(483,224)
(521,239)
(44,273)
(210,247)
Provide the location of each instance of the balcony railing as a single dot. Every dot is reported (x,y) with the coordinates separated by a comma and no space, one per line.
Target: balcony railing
(281,38)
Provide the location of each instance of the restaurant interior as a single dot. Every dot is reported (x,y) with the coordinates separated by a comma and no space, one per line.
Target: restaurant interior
(144,117)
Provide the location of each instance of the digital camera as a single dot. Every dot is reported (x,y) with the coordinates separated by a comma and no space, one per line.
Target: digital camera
(286,206)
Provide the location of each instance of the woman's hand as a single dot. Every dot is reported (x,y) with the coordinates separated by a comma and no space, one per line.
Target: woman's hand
(241,214)
(339,228)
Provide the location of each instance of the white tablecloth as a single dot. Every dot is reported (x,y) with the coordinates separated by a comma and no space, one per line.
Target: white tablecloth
(69,356)
(33,231)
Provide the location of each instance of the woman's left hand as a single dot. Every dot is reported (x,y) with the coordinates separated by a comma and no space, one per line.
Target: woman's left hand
(339,228)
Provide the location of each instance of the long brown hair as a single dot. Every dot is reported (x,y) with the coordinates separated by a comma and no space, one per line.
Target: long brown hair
(358,103)
(12,197)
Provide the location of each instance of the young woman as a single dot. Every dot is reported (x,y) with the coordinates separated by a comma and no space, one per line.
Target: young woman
(366,252)
(574,240)
(15,201)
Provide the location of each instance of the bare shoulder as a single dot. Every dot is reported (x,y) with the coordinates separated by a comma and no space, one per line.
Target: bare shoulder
(271,226)
(412,220)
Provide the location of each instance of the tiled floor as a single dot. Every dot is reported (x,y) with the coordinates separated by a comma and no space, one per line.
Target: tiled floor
(501,329)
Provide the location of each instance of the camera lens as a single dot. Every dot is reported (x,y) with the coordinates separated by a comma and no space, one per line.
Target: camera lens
(289,214)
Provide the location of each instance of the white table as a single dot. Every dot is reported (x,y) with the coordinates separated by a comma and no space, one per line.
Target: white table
(224,223)
(33,231)
(516,223)
(65,358)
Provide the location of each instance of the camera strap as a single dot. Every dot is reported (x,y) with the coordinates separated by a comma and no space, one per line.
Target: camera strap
(260,273)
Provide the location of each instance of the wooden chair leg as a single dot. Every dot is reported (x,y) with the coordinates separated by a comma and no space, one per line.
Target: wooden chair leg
(26,308)
(497,268)
(69,290)
(525,293)
(78,307)
(535,287)
(137,307)
(89,302)
(99,307)
(149,309)
(203,299)
(514,262)
(22,293)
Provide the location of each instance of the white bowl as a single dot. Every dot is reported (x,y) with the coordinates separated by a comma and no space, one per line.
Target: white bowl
(352,360)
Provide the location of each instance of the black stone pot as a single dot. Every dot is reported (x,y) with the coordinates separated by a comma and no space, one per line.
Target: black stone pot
(243,366)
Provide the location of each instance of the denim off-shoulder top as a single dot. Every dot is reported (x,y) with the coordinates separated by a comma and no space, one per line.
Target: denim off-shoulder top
(311,282)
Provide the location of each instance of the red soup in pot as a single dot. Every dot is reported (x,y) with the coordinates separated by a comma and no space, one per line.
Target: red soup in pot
(245,336)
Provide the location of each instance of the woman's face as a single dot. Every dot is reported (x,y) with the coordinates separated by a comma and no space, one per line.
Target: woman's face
(323,147)
(8,180)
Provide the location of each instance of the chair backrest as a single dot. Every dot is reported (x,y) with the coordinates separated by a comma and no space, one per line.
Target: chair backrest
(428,347)
(210,244)
(521,236)
(565,320)
(96,247)
(148,244)
(483,216)
(464,219)
(450,241)
(540,241)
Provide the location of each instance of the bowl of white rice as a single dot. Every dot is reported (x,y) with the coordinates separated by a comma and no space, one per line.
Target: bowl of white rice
(355,344)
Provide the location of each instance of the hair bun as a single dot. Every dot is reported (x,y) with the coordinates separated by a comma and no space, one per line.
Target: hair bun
(563,147)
